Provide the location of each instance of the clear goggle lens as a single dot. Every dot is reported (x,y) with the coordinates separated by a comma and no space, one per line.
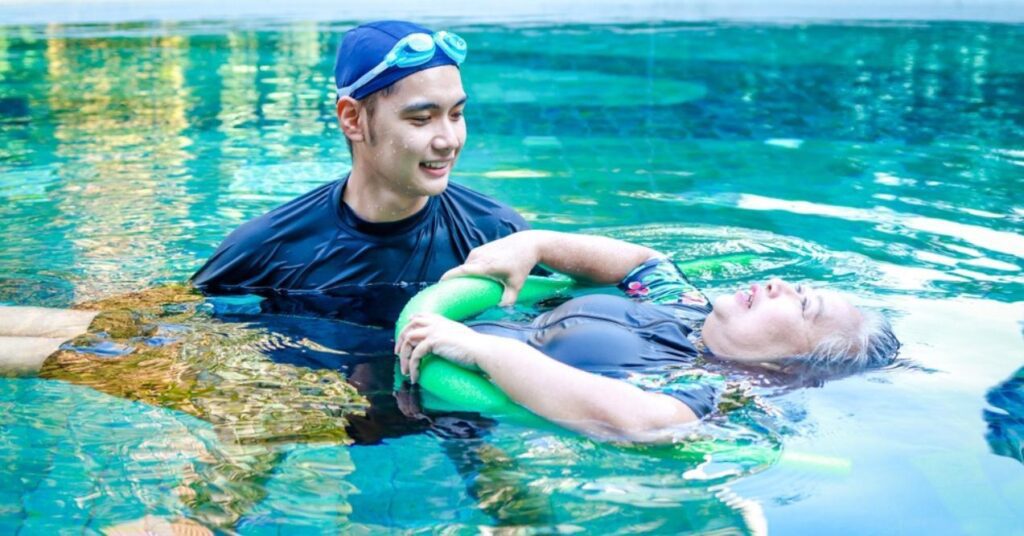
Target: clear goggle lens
(412,50)
(452,45)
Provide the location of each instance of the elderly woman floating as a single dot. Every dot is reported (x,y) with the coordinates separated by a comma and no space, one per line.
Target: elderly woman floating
(605,365)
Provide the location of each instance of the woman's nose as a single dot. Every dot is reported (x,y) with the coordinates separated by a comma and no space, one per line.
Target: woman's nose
(777,287)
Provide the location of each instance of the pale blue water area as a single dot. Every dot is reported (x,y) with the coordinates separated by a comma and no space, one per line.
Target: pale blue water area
(884,159)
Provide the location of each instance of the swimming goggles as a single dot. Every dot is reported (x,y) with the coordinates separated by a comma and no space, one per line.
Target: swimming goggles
(410,51)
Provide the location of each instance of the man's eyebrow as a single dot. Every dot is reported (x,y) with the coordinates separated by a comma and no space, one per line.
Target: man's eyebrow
(427,106)
(420,107)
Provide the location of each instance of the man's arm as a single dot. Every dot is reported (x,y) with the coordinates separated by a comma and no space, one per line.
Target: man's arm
(227,267)
(595,259)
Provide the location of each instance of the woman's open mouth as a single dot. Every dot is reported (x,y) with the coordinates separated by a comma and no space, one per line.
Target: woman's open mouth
(746,298)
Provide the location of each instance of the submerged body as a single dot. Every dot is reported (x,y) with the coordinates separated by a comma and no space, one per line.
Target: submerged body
(158,347)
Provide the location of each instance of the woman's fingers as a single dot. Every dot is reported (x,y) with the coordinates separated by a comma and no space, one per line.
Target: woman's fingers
(416,322)
(511,293)
(411,346)
(421,350)
(431,333)
(403,334)
(411,336)
(403,357)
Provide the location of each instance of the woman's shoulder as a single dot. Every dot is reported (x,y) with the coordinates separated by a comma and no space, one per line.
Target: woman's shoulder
(659,280)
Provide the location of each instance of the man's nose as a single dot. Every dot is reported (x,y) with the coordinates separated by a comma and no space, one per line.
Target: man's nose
(447,138)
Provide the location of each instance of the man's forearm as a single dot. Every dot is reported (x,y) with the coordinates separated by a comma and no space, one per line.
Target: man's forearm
(597,259)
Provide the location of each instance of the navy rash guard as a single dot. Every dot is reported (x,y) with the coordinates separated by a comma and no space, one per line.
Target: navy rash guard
(314,255)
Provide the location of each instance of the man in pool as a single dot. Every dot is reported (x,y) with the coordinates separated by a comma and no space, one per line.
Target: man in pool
(570,365)
(358,248)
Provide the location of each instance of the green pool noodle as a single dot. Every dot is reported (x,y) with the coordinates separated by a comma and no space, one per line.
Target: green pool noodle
(456,387)
(459,299)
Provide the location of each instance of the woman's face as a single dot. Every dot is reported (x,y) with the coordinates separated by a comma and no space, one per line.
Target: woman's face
(776,320)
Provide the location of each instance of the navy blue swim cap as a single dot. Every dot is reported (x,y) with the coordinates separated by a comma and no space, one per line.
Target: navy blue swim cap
(365,46)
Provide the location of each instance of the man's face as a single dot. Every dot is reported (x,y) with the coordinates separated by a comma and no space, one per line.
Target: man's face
(416,133)
(776,320)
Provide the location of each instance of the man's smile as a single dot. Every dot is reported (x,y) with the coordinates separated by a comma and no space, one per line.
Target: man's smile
(437,168)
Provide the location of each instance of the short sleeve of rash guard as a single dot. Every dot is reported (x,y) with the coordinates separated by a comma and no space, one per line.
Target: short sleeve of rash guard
(697,390)
(660,281)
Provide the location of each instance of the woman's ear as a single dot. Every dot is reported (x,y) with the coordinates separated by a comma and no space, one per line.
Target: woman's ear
(348,118)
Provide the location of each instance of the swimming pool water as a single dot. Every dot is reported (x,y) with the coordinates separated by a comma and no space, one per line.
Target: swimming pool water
(884,159)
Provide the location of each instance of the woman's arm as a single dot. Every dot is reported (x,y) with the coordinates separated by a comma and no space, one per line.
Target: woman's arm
(595,405)
(595,259)
(588,403)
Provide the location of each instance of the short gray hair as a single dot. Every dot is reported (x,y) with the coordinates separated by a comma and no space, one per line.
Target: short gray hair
(872,345)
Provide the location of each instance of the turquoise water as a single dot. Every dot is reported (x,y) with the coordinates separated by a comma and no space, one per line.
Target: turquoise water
(884,159)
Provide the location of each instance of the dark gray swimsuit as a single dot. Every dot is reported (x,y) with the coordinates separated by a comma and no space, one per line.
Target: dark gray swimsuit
(617,336)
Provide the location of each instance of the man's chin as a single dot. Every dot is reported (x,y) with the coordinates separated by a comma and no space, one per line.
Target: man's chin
(435,186)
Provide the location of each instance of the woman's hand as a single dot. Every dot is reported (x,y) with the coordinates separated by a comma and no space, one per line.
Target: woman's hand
(435,334)
(508,261)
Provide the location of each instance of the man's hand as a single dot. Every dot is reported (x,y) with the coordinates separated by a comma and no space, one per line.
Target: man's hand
(435,334)
(507,261)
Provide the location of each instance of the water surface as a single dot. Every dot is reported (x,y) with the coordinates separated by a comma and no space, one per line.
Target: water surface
(883,159)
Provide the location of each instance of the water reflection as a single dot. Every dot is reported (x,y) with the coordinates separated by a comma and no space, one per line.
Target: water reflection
(565,483)
(99,461)
(139,142)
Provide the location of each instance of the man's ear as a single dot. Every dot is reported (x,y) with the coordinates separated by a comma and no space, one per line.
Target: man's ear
(348,118)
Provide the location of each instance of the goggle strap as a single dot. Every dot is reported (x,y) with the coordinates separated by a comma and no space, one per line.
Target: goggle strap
(363,80)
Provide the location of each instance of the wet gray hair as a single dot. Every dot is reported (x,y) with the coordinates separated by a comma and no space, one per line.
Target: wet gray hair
(872,345)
